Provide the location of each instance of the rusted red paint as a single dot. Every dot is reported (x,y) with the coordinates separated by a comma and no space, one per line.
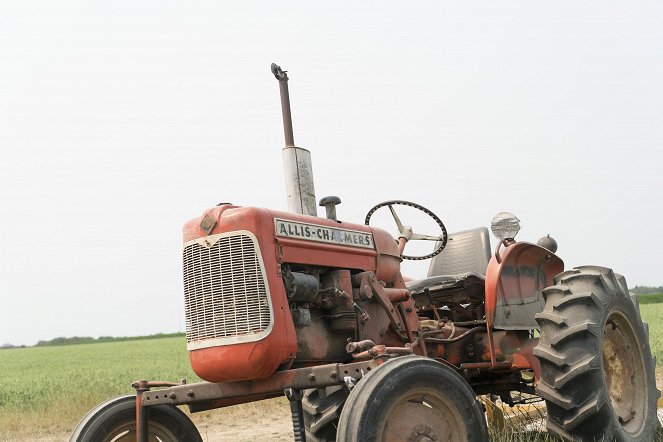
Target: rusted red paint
(142,429)
(472,365)
(228,393)
(516,282)
(524,358)
(253,360)
(258,360)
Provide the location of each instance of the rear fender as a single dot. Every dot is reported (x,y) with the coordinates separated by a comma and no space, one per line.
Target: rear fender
(514,285)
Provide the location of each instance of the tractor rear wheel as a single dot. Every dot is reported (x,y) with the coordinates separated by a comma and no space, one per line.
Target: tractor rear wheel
(115,421)
(597,371)
(412,399)
(322,407)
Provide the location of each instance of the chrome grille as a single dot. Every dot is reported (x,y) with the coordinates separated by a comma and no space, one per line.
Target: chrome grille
(225,292)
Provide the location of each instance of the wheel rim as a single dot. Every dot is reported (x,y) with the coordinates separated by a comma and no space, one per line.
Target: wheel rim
(126,432)
(624,369)
(423,415)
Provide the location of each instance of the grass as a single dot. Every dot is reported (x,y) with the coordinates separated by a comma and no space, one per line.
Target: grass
(653,315)
(515,436)
(650,298)
(57,385)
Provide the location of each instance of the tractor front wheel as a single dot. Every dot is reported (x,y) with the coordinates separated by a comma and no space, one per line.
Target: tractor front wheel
(115,421)
(597,371)
(412,399)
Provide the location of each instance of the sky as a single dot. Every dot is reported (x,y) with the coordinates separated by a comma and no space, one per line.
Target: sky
(121,120)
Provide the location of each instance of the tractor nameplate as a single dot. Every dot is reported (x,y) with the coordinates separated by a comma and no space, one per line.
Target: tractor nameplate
(318,233)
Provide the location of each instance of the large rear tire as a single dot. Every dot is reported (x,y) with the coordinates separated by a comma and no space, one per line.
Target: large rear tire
(412,399)
(322,408)
(115,420)
(597,371)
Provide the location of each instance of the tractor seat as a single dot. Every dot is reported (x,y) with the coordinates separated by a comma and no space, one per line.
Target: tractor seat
(458,273)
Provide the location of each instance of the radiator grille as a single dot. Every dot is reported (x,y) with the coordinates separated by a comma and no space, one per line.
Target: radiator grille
(225,293)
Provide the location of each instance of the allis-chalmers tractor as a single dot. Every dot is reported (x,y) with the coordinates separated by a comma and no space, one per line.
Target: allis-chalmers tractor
(317,309)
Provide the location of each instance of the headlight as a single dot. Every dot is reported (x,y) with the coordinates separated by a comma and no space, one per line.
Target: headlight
(505,225)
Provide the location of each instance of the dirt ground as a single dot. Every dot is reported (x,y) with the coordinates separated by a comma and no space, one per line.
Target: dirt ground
(267,421)
(267,430)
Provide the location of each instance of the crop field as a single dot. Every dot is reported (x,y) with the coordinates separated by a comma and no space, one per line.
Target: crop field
(54,386)
(46,390)
(653,315)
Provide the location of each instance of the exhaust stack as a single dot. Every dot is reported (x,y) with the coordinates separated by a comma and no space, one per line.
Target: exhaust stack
(296,160)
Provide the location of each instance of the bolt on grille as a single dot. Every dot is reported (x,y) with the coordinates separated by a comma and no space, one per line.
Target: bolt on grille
(225,294)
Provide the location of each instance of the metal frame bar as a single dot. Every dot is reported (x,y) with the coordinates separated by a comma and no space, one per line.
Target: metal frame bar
(207,395)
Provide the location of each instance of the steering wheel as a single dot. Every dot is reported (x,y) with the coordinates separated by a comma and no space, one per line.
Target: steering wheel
(405,232)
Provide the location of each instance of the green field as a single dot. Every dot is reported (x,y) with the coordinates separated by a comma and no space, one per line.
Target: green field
(56,386)
(652,314)
(650,298)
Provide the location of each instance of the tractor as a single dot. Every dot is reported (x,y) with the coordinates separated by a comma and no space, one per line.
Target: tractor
(316,309)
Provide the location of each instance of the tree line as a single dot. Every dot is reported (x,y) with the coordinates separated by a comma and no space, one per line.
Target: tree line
(88,340)
(646,290)
(75,340)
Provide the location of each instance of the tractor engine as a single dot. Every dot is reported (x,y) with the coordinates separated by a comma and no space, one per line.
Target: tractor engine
(267,290)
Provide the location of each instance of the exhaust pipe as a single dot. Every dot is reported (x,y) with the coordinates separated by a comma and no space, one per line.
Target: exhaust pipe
(296,160)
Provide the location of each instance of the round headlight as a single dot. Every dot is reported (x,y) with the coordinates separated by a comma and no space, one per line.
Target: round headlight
(505,225)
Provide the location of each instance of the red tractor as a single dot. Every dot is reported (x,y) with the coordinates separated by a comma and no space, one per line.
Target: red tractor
(317,309)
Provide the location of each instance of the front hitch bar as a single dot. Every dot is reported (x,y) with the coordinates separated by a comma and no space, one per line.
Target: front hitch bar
(143,413)
(202,396)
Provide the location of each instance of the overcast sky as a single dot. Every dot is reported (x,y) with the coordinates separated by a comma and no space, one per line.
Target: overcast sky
(120,120)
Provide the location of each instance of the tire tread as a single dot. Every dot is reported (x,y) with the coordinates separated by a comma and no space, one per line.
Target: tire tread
(569,350)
